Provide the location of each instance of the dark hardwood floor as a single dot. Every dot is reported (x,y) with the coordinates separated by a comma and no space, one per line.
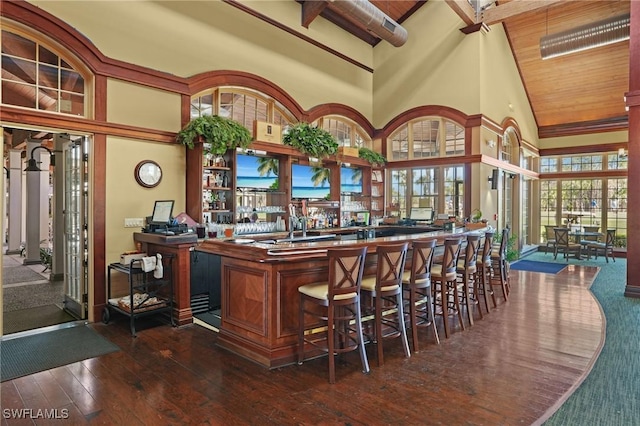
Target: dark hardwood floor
(513,367)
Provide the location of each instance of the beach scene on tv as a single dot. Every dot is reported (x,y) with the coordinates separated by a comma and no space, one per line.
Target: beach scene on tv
(256,172)
(310,182)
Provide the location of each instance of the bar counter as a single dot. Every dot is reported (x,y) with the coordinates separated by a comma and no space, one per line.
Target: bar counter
(259,287)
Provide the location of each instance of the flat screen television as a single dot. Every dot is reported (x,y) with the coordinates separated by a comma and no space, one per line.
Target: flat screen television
(256,172)
(309,182)
(350,180)
(162,211)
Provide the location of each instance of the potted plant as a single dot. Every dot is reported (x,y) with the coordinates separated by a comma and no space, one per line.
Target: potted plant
(219,134)
(373,157)
(311,140)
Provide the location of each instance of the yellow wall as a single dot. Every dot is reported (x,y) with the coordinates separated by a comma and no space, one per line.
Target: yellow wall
(142,106)
(439,65)
(211,35)
(127,199)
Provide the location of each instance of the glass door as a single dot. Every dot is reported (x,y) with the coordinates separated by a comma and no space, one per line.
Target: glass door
(75,226)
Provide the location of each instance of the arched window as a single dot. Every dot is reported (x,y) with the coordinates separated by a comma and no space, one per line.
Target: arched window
(426,137)
(242,105)
(509,147)
(346,132)
(38,74)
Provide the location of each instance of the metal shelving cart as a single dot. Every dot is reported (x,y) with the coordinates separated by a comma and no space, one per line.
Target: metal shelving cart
(147,295)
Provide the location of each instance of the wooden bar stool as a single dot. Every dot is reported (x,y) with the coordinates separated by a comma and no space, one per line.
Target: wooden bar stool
(483,286)
(385,291)
(416,283)
(467,271)
(334,305)
(444,278)
(499,273)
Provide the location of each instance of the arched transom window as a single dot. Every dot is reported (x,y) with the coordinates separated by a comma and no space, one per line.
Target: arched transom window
(426,138)
(346,132)
(36,75)
(242,105)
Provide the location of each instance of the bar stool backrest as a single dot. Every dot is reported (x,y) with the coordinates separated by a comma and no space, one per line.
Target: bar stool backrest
(345,273)
(422,259)
(486,248)
(450,257)
(471,253)
(390,267)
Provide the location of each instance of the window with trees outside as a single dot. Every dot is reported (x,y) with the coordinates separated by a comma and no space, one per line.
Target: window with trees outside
(598,201)
(441,188)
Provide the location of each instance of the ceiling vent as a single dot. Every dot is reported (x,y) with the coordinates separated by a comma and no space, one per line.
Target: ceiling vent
(374,20)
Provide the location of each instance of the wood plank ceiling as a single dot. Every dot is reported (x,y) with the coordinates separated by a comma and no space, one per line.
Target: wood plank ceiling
(572,94)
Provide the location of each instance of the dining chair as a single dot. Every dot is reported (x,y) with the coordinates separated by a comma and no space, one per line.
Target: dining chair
(606,247)
(565,245)
(444,277)
(551,238)
(384,292)
(587,239)
(467,270)
(416,283)
(334,307)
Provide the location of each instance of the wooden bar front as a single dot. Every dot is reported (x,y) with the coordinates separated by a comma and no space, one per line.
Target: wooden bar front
(260,300)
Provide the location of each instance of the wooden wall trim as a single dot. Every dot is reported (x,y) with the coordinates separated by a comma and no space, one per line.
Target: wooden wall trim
(591,174)
(423,111)
(36,18)
(99,220)
(612,124)
(82,125)
(343,110)
(583,149)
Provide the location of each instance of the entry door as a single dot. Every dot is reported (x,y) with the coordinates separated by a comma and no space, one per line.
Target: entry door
(75,226)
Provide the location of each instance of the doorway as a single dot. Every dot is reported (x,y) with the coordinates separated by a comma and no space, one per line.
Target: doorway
(45,278)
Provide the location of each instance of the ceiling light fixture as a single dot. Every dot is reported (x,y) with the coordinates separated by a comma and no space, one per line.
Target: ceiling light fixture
(596,34)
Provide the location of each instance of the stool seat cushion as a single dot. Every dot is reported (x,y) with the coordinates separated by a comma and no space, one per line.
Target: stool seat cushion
(471,269)
(406,279)
(436,273)
(369,284)
(320,291)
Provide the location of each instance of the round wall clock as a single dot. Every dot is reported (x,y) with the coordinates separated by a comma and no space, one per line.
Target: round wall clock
(148,173)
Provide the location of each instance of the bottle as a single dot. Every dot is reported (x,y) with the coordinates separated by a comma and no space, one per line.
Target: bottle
(225,180)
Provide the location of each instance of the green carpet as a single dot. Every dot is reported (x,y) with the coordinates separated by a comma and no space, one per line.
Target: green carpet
(38,317)
(31,354)
(609,394)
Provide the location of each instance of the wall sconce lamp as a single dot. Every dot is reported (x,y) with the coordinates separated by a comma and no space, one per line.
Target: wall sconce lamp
(32,164)
(622,153)
(494,178)
(491,143)
(512,175)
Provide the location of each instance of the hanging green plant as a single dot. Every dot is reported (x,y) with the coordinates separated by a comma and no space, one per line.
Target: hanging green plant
(219,134)
(373,157)
(311,140)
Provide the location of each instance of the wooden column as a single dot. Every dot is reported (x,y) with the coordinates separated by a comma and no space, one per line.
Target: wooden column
(633,197)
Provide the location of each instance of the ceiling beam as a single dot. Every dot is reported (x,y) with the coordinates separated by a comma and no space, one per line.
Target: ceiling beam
(464,10)
(311,9)
(496,14)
